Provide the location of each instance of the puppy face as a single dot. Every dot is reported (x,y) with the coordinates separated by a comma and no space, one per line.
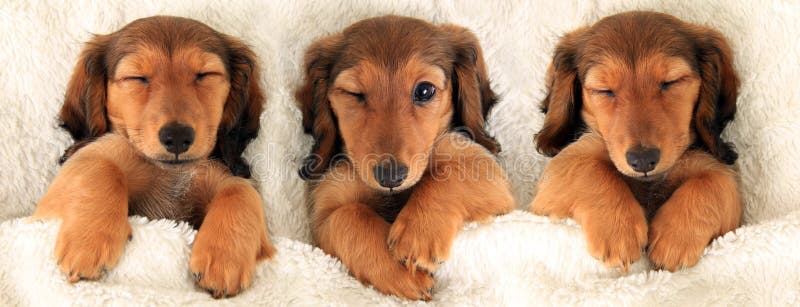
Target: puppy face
(169,107)
(651,85)
(388,120)
(382,91)
(177,89)
(643,112)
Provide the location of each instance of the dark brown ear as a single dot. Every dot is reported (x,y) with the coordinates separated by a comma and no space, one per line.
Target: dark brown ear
(717,100)
(473,96)
(83,114)
(562,105)
(312,97)
(240,118)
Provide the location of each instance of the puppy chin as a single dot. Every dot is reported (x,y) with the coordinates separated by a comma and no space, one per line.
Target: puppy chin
(654,175)
(172,161)
(409,183)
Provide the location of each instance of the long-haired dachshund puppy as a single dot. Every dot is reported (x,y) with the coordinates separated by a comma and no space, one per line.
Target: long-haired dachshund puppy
(393,183)
(634,110)
(161,111)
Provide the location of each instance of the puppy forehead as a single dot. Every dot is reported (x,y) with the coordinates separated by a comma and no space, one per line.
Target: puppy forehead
(164,37)
(634,37)
(392,41)
(609,69)
(367,73)
(146,59)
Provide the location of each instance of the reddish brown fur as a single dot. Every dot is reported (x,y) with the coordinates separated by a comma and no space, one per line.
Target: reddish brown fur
(691,195)
(393,238)
(117,166)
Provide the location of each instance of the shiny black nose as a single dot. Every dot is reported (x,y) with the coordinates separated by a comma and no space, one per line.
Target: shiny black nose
(643,159)
(176,137)
(389,173)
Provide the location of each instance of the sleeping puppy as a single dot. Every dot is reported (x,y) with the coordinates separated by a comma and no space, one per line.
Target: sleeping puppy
(393,183)
(161,111)
(634,110)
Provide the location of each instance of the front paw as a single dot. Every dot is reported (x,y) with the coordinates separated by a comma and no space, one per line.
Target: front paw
(418,242)
(224,267)
(673,247)
(84,251)
(617,240)
(397,280)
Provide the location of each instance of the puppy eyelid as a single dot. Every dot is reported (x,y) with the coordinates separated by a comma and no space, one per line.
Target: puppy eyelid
(141,79)
(200,76)
(606,92)
(360,96)
(667,84)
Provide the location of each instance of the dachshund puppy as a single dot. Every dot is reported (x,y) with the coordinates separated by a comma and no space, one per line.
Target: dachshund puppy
(393,181)
(634,110)
(161,111)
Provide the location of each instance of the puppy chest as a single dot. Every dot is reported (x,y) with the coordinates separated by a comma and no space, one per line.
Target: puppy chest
(165,198)
(650,194)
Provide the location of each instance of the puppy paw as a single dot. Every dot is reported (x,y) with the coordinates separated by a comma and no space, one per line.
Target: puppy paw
(84,251)
(225,268)
(418,243)
(412,285)
(617,242)
(674,247)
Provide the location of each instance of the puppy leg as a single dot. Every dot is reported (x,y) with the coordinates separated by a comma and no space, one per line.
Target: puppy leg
(464,184)
(706,205)
(357,235)
(580,182)
(231,239)
(90,196)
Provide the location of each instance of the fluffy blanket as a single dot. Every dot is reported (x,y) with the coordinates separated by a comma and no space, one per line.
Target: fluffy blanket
(517,259)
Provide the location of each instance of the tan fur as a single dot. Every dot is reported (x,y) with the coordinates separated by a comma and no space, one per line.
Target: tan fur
(357,103)
(119,167)
(641,79)
(396,258)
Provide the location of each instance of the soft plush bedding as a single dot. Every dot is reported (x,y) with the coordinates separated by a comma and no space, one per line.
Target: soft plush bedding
(518,259)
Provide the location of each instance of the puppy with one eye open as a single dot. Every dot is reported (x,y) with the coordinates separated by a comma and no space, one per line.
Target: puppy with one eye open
(635,108)
(392,181)
(161,111)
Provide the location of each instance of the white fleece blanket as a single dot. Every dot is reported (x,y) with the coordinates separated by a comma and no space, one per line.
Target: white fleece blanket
(518,259)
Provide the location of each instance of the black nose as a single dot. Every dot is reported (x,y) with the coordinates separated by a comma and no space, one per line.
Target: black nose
(389,173)
(643,159)
(176,137)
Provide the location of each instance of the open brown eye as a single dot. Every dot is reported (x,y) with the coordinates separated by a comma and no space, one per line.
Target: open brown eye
(423,93)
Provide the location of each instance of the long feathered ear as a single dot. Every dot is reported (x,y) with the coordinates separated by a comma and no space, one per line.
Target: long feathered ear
(473,96)
(240,117)
(562,104)
(83,114)
(718,92)
(312,97)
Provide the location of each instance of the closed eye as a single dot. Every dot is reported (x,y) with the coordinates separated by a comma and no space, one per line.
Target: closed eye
(141,79)
(359,96)
(200,76)
(667,84)
(605,92)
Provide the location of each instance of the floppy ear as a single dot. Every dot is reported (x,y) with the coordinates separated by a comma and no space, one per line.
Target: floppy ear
(716,104)
(473,96)
(562,105)
(312,97)
(240,117)
(83,114)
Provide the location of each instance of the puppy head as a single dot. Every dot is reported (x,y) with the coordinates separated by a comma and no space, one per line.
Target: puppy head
(176,88)
(384,89)
(650,84)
